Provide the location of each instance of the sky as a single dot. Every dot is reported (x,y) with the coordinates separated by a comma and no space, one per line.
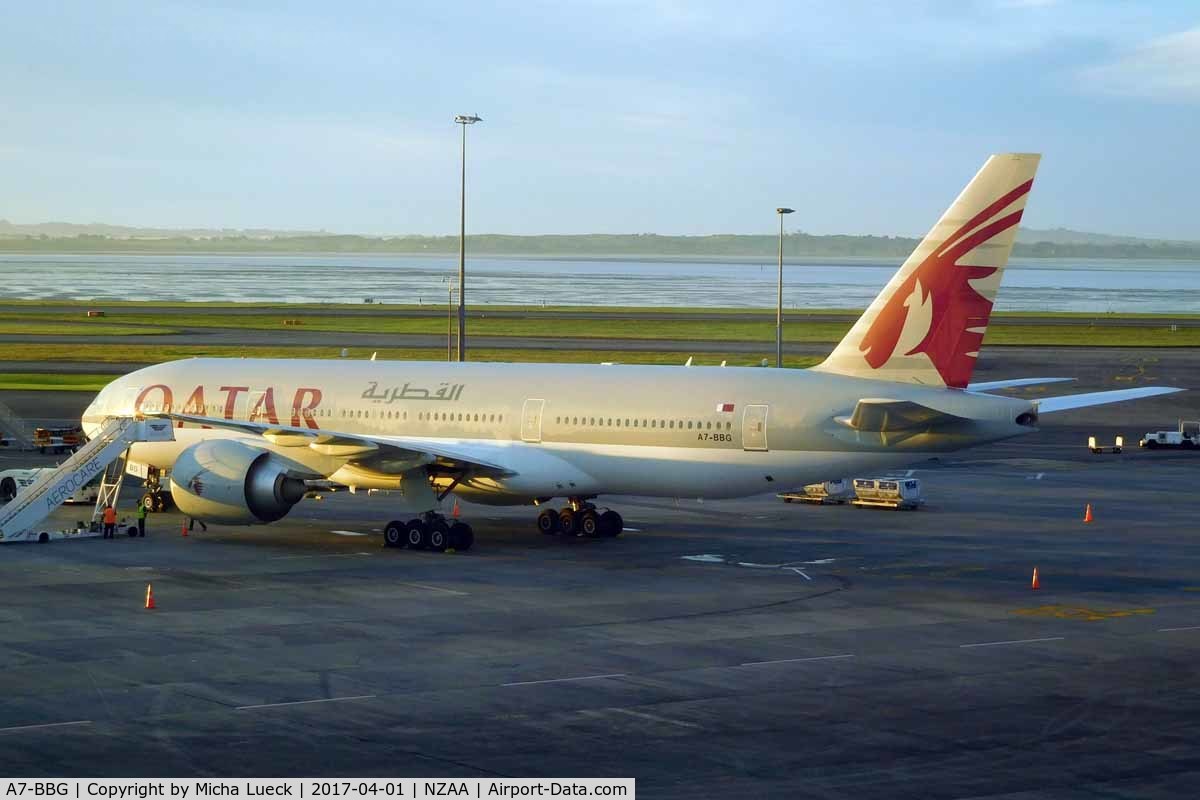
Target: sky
(599,116)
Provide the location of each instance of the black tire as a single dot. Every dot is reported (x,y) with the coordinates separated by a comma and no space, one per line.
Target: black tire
(461,536)
(416,535)
(43,537)
(8,490)
(611,524)
(149,501)
(438,538)
(568,522)
(547,522)
(1151,445)
(1188,444)
(393,534)
(164,501)
(131,531)
(588,523)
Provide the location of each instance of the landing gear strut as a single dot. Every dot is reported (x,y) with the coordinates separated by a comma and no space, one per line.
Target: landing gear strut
(430,531)
(156,498)
(580,518)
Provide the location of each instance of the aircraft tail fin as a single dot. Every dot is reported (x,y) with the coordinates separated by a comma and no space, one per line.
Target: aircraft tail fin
(927,324)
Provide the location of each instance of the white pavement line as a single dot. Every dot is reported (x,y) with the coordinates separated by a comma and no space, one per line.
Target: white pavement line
(796,660)
(17,728)
(305,702)
(657,718)
(432,588)
(635,530)
(1015,641)
(1171,630)
(800,572)
(350,533)
(563,680)
(319,555)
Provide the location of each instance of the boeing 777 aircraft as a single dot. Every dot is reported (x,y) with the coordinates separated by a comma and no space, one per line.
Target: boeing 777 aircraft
(253,435)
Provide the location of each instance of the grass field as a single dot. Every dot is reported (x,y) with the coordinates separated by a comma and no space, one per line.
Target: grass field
(287,308)
(33,381)
(798,329)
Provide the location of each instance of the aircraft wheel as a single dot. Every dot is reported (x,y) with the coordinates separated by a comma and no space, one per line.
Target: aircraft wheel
(163,501)
(461,536)
(588,523)
(611,524)
(568,522)
(547,522)
(150,501)
(415,533)
(438,538)
(393,534)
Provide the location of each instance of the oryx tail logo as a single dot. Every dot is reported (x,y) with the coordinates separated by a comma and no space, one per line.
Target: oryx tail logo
(957,313)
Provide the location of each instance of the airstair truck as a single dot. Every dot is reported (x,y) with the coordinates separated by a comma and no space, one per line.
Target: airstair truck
(20,518)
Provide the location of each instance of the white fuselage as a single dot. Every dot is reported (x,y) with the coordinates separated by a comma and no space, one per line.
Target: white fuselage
(558,430)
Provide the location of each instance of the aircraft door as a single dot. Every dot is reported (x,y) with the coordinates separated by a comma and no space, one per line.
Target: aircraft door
(754,428)
(531,420)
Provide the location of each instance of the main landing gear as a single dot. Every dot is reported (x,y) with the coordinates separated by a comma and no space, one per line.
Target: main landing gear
(580,518)
(430,531)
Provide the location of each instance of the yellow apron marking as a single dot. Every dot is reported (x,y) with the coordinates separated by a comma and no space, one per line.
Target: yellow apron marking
(1077,612)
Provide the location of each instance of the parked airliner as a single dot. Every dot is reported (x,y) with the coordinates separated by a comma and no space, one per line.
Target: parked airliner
(254,435)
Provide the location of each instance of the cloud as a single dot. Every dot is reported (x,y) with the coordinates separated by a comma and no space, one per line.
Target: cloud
(1166,68)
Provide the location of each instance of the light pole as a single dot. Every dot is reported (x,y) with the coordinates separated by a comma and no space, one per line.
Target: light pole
(464,120)
(779,299)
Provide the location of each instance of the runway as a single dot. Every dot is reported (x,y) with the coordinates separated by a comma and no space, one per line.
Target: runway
(748,647)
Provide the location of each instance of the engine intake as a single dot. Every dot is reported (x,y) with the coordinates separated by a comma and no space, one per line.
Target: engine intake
(222,480)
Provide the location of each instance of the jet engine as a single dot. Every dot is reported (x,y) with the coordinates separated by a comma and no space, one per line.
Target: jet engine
(222,480)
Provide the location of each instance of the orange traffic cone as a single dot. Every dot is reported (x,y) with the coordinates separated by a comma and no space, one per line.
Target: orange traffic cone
(455,512)
(1036,583)
(149,596)
(183,528)
(1087,513)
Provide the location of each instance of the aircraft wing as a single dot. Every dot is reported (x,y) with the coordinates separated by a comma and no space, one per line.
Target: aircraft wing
(988,386)
(1047,405)
(356,445)
(881,415)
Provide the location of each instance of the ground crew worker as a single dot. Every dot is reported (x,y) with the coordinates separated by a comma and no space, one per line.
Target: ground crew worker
(110,522)
(141,518)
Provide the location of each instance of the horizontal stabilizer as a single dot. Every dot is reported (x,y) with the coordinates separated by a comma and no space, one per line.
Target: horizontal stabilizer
(880,415)
(989,386)
(1067,402)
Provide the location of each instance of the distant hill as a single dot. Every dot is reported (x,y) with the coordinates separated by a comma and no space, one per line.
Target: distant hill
(1066,236)
(54,237)
(59,230)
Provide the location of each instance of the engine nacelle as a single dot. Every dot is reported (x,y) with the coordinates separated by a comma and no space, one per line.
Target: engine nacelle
(222,480)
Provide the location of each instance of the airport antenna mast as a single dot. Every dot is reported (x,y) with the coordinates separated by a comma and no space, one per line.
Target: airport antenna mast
(464,120)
